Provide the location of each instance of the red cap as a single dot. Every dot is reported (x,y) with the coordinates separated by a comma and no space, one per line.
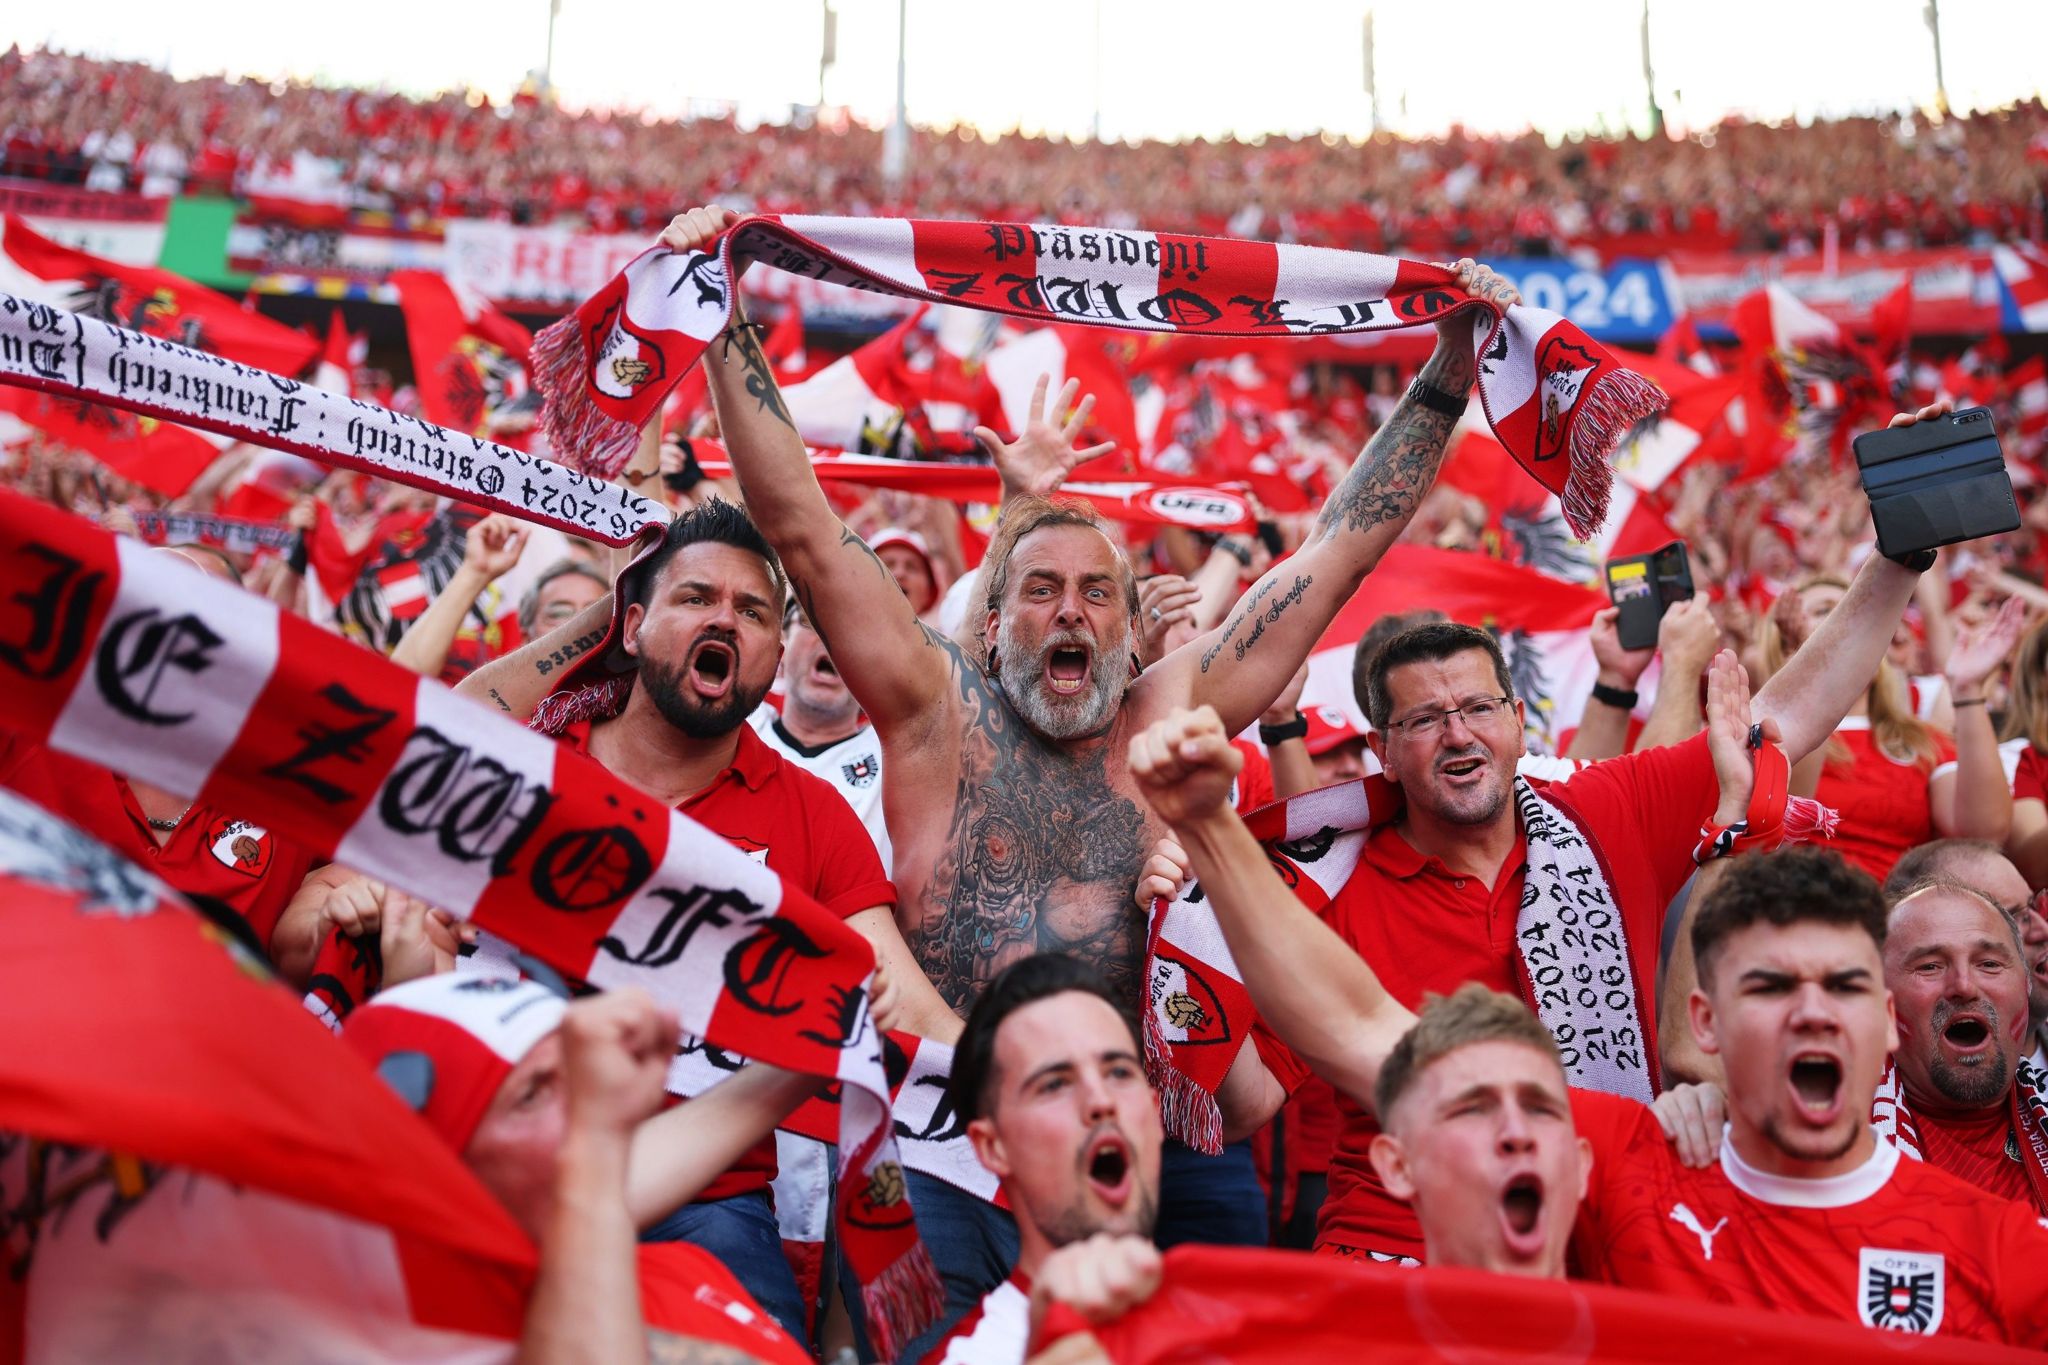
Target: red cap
(470,1032)
(1328,727)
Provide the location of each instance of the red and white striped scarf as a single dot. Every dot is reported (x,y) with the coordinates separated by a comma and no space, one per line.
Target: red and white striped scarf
(47,348)
(1557,400)
(1893,1119)
(186,683)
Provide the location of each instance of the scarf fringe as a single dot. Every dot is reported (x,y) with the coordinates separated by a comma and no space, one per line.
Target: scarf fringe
(1602,418)
(1807,819)
(599,701)
(1188,1112)
(903,1301)
(581,436)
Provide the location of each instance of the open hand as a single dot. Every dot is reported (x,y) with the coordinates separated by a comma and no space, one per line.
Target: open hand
(1040,460)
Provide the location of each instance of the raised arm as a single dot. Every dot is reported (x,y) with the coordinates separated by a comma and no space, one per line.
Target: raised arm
(1316,994)
(899,668)
(1975,801)
(490,549)
(521,680)
(680,1151)
(1240,666)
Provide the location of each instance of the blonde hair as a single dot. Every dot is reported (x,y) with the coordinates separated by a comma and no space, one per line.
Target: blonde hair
(2026,701)
(1901,736)
(1471,1014)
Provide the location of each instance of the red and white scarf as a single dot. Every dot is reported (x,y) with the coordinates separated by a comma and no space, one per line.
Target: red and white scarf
(1894,1121)
(1556,399)
(186,683)
(47,348)
(1569,933)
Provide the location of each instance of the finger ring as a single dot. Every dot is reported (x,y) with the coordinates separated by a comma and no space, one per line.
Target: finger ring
(1155,613)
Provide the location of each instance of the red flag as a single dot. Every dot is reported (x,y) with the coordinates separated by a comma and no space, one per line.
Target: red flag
(145,299)
(159,455)
(1282,1308)
(469,359)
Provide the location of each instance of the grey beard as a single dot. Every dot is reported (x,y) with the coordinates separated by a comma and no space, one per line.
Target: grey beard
(1970,1085)
(1022,679)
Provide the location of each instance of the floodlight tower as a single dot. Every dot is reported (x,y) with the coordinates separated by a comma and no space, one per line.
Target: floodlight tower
(896,142)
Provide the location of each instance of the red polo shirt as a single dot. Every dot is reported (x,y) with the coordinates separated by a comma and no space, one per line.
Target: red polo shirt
(1424,929)
(212,853)
(802,829)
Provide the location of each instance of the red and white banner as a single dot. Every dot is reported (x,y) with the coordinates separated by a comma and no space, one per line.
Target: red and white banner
(1557,399)
(185,682)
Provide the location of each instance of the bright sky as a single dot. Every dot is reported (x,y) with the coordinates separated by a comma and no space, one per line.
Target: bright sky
(1167,68)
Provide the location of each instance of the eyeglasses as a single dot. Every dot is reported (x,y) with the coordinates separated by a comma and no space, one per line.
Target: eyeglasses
(1476,713)
(2036,904)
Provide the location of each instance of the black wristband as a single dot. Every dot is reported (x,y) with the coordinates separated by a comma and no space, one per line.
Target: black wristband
(1435,399)
(1614,696)
(1297,728)
(1918,561)
(1235,549)
(296,560)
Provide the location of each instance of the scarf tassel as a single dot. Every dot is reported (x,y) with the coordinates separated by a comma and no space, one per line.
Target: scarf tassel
(1189,1112)
(903,1300)
(583,437)
(1602,418)
(599,701)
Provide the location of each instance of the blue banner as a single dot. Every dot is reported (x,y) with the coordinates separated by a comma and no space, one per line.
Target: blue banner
(1623,301)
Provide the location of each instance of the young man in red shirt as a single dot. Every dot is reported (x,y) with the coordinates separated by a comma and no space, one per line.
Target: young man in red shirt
(1805,1210)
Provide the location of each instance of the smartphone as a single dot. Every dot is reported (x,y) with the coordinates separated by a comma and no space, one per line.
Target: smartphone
(1936,482)
(1643,587)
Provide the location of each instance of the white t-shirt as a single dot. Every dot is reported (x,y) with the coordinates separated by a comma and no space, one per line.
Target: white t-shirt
(852,765)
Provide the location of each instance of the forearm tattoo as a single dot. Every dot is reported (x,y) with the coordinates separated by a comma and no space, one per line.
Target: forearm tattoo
(1259,619)
(760,376)
(1388,480)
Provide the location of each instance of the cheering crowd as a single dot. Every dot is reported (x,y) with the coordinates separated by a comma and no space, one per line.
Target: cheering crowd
(1878,183)
(1735,994)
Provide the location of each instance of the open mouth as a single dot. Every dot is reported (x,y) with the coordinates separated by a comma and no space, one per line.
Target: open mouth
(1966,1033)
(1109,1168)
(711,667)
(1461,767)
(1817,1085)
(1066,669)
(1521,1204)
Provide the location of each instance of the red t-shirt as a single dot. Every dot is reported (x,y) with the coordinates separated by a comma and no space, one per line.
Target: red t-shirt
(1883,803)
(1254,785)
(803,830)
(1979,1147)
(2031,779)
(1896,1243)
(212,853)
(1424,929)
(689,1292)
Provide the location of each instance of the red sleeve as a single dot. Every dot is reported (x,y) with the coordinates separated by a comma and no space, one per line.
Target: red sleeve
(2031,781)
(1649,805)
(1279,1058)
(1255,783)
(1623,1133)
(2022,1263)
(846,873)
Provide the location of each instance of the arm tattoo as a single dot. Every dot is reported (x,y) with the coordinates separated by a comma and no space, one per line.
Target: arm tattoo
(760,377)
(567,654)
(1389,478)
(1251,604)
(1267,617)
(503,705)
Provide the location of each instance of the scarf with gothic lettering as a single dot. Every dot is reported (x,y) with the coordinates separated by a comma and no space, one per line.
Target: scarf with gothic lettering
(1894,1121)
(46,348)
(1557,400)
(1575,968)
(186,683)
(229,533)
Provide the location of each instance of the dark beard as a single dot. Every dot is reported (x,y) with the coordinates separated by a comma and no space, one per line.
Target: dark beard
(695,718)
